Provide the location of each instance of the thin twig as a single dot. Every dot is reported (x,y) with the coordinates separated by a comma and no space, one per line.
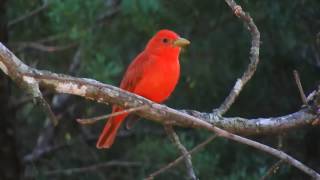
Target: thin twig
(44,141)
(298,82)
(108,14)
(51,38)
(91,168)
(277,153)
(254,57)
(75,63)
(45,105)
(32,87)
(20,45)
(273,169)
(44,48)
(28,15)
(179,159)
(183,150)
(39,152)
(104,117)
(17,103)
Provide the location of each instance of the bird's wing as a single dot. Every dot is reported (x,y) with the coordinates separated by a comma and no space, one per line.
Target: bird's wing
(135,72)
(131,79)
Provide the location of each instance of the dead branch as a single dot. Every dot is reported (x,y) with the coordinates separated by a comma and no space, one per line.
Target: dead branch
(99,92)
(51,38)
(45,105)
(16,103)
(273,169)
(254,126)
(298,82)
(28,15)
(183,150)
(280,154)
(91,168)
(254,57)
(43,48)
(179,159)
(113,8)
(104,117)
(39,152)
(108,14)
(44,140)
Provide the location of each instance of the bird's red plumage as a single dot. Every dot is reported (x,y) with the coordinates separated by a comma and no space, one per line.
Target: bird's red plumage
(153,74)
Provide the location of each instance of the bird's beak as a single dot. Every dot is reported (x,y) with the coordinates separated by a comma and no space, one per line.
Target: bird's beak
(181,42)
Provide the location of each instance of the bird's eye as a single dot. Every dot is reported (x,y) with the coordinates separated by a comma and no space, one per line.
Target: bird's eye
(165,40)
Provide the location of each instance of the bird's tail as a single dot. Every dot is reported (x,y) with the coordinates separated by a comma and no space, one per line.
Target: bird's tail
(110,130)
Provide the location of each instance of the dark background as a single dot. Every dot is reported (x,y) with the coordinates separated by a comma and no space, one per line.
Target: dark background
(98,39)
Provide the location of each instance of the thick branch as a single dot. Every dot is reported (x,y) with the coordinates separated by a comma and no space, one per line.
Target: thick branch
(100,92)
(254,126)
(94,90)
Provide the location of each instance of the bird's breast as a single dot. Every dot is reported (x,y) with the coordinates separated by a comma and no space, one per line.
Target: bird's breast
(159,80)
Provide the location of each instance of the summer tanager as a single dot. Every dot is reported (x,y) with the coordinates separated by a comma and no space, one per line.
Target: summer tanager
(153,74)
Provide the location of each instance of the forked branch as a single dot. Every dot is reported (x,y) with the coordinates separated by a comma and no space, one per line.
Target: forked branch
(99,92)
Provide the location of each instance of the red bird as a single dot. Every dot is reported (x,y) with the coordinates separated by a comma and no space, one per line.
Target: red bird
(153,74)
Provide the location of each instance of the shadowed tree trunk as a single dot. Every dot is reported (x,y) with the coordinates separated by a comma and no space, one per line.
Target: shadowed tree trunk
(9,161)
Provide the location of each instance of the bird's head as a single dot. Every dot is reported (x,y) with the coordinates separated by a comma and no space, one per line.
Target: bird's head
(166,42)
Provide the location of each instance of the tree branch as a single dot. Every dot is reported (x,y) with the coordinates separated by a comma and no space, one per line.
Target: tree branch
(104,117)
(258,126)
(183,150)
(254,57)
(299,85)
(99,92)
(179,159)
(272,170)
(28,15)
(44,140)
(46,107)
(91,168)
(42,47)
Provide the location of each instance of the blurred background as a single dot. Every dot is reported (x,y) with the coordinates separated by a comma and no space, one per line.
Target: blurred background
(98,39)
